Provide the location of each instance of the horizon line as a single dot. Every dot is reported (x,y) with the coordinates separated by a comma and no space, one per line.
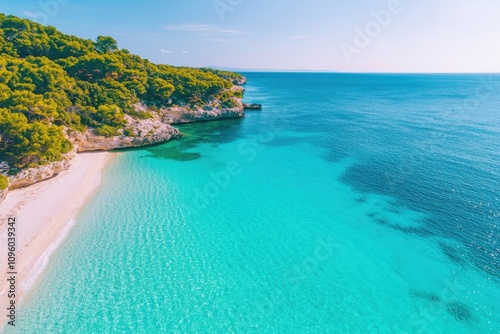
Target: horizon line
(263,70)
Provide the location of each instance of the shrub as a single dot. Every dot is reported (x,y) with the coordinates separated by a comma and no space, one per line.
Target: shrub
(107,131)
(129,132)
(140,114)
(66,146)
(4,182)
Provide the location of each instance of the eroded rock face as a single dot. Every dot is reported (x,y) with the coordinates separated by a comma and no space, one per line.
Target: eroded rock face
(240,82)
(34,175)
(144,132)
(179,115)
(252,106)
(213,111)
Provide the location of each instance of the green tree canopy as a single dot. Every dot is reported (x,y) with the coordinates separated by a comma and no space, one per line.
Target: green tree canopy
(105,44)
(50,80)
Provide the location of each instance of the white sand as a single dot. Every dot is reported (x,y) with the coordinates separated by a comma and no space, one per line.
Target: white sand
(44,214)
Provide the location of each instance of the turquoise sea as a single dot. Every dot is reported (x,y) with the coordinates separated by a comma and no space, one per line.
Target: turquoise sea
(352,203)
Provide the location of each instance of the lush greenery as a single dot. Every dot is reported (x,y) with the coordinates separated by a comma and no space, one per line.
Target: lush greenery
(49,80)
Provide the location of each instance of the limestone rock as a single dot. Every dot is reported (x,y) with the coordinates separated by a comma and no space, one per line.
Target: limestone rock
(179,115)
(141,132)
(36,174)
(240,82)
(214,111)
(253,106)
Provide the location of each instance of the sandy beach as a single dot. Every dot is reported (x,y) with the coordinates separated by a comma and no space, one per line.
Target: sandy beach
(44,213)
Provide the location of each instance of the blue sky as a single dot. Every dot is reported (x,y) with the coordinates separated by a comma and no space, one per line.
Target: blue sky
(330,35)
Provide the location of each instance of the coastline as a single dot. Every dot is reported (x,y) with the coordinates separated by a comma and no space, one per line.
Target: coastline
(44,214)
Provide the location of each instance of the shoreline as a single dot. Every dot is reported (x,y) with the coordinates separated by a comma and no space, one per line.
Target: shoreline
(45,213)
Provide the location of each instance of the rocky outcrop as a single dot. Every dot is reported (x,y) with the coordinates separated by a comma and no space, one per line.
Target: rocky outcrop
(180,115)
(238,88)
(214,111)
(139,132)
(240,82)
(34,175)
(252,106)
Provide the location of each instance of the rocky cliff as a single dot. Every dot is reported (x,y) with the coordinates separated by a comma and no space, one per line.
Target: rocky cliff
(240,82)
(214,111)
(180,115)
(34,175)
(139,133)
(252,106)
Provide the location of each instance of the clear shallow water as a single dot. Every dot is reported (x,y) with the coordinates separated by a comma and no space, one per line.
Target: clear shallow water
(351,203)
